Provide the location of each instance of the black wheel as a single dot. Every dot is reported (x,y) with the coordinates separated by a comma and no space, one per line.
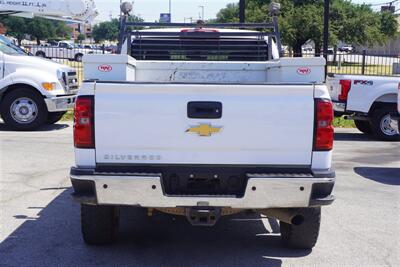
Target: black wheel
(40,54)
(305,234)
(99,224)
(363,126)
(381,124)
(78,57)
(23,109)
(54,117)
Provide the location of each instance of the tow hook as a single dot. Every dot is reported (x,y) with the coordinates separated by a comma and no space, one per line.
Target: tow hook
(203,216)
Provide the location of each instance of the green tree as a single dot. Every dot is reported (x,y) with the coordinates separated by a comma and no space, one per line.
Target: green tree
(81,38)
(62,30)
(41,29)
(109,30)
(389,24)
(16,27)
(38,28)
(302,20)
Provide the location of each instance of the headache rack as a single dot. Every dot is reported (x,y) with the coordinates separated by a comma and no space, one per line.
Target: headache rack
(201,41)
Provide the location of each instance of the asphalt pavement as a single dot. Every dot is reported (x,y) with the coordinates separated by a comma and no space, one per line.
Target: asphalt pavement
(39,222)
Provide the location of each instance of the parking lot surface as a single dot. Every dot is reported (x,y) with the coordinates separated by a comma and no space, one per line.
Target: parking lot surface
(39,222)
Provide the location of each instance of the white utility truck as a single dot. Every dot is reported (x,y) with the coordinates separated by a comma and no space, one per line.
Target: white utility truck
(203,122)
(370,101)
(33,91)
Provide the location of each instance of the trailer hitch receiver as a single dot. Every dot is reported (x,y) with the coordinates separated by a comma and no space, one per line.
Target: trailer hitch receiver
(203,216)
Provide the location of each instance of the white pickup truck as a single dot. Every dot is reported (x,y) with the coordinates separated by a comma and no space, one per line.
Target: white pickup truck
(368,100)
(62,50)
(203,122)
(395,118)
(33,91)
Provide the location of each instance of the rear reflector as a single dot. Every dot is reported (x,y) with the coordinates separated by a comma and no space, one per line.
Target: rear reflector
(323,125)
(84,122)
(346,87)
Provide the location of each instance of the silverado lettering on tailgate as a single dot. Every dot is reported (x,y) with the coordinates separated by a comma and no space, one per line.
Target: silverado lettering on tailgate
(132,157)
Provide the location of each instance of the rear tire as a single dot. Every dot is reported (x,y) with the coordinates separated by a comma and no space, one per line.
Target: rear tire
(381,124)
(54,117)
(78,57)
(99,224)
(305,235)
(363,126)
(40,54)
(23,109)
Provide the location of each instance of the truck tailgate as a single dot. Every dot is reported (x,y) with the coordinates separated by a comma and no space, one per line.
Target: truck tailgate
(139,123)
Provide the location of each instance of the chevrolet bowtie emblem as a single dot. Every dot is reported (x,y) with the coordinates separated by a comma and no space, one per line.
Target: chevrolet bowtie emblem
(204,130)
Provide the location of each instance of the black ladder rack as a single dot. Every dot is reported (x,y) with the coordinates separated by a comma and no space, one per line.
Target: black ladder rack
(234,40)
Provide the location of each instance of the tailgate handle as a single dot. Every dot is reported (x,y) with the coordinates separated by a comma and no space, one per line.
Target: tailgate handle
(204,110)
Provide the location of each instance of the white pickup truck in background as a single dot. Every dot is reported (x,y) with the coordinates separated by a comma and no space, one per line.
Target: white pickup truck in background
(396,117)
(62,50)
(203,122)
(33,91)
(369,100)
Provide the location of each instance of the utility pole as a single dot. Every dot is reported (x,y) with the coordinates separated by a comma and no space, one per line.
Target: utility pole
(170,11)
(326,33)
(202,12)
(242,11)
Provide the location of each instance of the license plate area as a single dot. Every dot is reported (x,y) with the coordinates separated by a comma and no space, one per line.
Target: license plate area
(204,182)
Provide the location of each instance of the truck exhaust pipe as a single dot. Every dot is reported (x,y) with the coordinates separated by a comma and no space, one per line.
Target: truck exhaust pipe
(290,216)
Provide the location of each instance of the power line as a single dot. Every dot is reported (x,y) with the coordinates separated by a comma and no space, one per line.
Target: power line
(387,3)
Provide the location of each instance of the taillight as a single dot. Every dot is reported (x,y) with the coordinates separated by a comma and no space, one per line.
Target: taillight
(346,86)
(323,125)
(84,122)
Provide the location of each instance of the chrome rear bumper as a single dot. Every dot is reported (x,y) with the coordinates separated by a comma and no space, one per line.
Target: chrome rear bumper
(147,191)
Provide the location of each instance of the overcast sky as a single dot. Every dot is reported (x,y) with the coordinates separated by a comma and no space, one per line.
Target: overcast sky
(150,9)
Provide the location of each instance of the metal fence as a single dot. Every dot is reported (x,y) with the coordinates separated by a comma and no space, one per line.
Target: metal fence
(70,55)
(363,63)
(339,62)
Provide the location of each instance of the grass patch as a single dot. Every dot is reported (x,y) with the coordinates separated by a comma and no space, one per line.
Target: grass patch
(342,123)
(69,116)
(348,68)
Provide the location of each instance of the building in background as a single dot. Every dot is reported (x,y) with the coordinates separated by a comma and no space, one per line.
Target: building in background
(77,29)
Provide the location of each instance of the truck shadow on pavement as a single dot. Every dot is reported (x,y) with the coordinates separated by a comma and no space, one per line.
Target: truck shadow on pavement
(353,137)
(46,128)
(389,176)
(53,238)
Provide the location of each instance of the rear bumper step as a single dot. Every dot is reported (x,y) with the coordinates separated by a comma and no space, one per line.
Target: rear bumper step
(262,191)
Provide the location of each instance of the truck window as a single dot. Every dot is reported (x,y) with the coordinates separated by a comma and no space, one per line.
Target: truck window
(200,46)
(7,47)
(63,45)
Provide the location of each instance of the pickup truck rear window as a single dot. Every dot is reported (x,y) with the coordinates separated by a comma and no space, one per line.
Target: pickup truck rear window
(199,46)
